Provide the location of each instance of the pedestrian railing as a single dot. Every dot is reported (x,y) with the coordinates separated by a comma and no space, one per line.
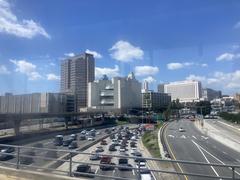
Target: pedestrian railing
(23,157)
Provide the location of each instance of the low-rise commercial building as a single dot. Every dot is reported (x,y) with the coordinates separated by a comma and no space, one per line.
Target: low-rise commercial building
(35,103)
(119,94)
(155,100)
(210,94)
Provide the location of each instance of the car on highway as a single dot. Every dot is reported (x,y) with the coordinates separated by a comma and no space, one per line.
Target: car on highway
(58,140)
(105,162)
(122,149)
(181,129)
(73,145)
(73,136)
(5,157)
(123,162)
(103,142)
(99,149)
(95,157)
(107,131)
(141,164)
(83,168)
(82,137)
(139,160)
(133,144)
(67,142)
(138,154)
(112,148)
(146,174)
(90,138)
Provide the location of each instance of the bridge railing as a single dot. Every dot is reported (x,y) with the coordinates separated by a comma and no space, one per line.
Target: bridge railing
(23,157)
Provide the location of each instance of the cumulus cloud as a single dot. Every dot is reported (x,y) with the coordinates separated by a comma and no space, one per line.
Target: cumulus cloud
(125,52)
(94,53)
(10,24)
(110,72)
(52,77)
(146,70)
(180,65)
(194,77)
(71,54)
(225,57)
(26,68)
(149,79)
(4,70)
(220,80)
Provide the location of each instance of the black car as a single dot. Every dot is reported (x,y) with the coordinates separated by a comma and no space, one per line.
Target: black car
(27,157)
(83,168)
(73,145)
(82,137)
(5,157)
(112,148)
(67,142)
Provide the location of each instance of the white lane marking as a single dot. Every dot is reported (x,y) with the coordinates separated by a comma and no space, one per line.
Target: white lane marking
(170,136)
(182,136)
(215,157)
(96,170)
(133,171)
(229,125)
(205,157)
(238,160)
(194,137)
(204,137)
(224,152)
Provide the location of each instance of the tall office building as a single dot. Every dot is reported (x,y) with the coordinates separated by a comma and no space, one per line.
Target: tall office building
(76,73)
(145,87)
(161,88)
(185,91)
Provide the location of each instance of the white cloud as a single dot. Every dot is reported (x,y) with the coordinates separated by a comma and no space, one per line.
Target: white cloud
(52,64)
(227,57)
(71,54)
(179,65)
(237,25)
(174,66)
(125,52)
(149,79)
(94,53)
(4,70)
(146,70)
(52,77)
(220,80)
(10,24)
(204,65)
(26,68)
(110,72)
(194,77)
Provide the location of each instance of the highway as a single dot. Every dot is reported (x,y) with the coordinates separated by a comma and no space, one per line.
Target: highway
(192,145)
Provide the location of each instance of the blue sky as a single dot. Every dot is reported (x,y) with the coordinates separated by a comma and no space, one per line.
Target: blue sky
(161,41)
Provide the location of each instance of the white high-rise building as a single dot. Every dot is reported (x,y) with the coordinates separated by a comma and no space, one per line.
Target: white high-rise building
(145,87)
(185,91)
(120,93)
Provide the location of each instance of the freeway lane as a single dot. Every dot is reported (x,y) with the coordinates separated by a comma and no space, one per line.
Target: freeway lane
(192,145)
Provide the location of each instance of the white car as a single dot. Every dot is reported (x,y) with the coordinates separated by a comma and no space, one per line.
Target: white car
(90,139)
(122,150)
(133,151)
(141,165)
(181,129)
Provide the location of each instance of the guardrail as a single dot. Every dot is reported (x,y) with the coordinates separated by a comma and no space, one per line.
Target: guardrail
(24,160)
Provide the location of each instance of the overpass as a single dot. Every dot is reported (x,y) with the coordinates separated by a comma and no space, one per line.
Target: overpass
(17,118)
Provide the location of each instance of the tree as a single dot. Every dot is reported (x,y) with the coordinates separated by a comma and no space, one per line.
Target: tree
(203,107)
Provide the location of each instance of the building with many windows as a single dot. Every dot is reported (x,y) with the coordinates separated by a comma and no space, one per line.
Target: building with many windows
(210,94)
(155,100)
(118,94)
(34,103)
(76,73)
(185,91)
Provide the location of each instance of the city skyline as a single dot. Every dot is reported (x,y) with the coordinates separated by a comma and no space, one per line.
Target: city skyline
(34,44)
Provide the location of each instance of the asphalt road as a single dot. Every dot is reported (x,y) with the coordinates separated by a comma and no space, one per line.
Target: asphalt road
(192,145)
(48,143)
